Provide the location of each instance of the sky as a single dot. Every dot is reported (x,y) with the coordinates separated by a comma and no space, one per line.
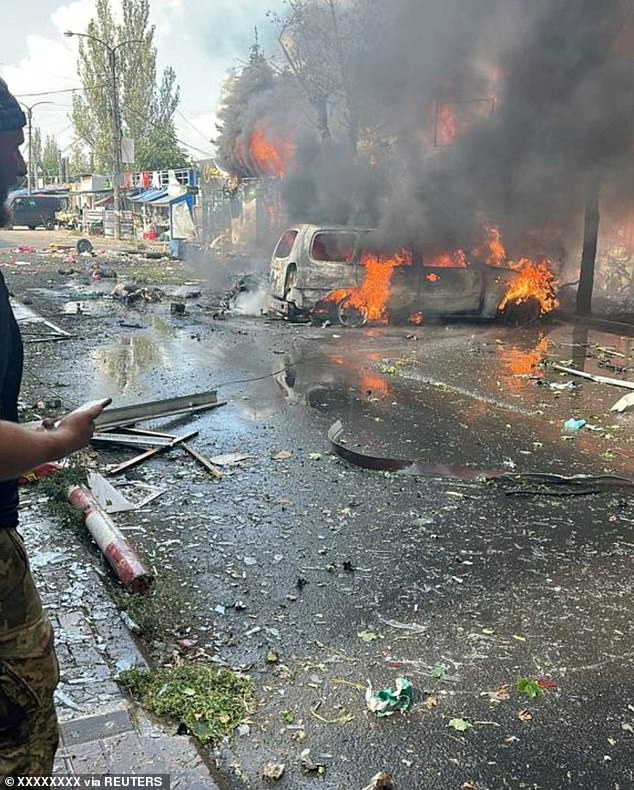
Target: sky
(200,39)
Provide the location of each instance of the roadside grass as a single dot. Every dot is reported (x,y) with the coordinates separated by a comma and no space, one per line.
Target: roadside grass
(162,613)
(209,702)
(56,490)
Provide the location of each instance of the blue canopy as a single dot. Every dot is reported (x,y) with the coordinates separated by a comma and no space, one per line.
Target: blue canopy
(149,195)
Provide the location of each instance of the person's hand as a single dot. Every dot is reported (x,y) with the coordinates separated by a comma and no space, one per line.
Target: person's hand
(74,430)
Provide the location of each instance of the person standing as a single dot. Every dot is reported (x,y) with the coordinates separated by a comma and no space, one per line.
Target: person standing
(28,665)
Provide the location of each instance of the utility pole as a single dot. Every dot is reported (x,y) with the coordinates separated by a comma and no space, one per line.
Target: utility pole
(117,133)
(29,118)
(116,144)
(588,257)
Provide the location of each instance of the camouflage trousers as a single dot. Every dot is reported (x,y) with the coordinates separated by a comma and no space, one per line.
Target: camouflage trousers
(28,669)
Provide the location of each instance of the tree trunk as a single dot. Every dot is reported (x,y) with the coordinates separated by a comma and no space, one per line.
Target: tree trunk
(588,257)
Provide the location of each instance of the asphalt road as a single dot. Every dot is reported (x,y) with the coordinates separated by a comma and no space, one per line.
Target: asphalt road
(339,575)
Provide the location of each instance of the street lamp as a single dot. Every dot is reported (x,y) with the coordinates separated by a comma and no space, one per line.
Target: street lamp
(29,116)
(116,121)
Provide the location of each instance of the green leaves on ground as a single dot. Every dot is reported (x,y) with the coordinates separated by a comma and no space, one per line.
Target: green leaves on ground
(209,701)
(531,688)
(438,672)
(461,725)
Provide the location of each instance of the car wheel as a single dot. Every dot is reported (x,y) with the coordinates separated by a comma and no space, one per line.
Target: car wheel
(521,313)
(49,224)
(84,245)
(349,315)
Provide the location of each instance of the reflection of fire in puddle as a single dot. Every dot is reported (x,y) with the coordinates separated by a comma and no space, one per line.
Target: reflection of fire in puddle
(521,363)
(373,386)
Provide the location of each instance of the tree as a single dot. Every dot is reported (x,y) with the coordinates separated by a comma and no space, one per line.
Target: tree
(143,107)
(36,149)
(320,40)
(159,148)
(51,158)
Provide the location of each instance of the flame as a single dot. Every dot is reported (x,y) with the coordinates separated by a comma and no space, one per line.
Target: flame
(456,259)
(268,156)
(492,251)
(446,126)
(535,281)
(372,295)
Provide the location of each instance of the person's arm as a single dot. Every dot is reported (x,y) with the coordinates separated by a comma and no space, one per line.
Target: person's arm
(22,448)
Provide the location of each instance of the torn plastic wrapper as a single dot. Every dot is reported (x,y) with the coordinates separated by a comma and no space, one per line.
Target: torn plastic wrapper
(388,701)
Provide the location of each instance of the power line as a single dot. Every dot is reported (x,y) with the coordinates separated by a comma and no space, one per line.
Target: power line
(189,123)
(50,93)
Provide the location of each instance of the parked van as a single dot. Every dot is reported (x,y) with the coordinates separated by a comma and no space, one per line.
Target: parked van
(313,268)
(36,210)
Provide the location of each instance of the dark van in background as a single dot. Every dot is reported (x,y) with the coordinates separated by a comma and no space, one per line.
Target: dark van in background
(36,210)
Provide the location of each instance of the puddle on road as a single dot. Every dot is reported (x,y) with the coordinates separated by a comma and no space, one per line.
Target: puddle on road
(445,389)
(141,361)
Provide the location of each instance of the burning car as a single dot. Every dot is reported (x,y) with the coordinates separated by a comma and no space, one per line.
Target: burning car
(336,273)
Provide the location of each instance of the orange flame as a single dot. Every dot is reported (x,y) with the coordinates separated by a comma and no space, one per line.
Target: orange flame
(492,251)
(270,157)
(372,295)
(535,281)
(456,259)
(446,125)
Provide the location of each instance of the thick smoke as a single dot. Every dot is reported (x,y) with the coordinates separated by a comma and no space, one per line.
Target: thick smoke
(501,112)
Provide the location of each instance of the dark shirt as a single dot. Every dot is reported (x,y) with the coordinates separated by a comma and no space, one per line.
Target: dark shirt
(10,379)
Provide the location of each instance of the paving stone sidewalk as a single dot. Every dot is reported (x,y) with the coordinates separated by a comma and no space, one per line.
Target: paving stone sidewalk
(102,731)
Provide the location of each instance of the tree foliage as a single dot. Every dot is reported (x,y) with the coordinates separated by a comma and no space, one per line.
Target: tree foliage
(321,40)
(146,110)
(51,160)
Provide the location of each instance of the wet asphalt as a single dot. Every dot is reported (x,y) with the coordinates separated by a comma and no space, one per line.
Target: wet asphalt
(316,576)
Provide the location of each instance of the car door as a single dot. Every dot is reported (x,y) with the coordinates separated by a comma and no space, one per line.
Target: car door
(450,286)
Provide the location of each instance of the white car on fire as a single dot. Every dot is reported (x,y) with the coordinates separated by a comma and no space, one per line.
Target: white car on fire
(335,273)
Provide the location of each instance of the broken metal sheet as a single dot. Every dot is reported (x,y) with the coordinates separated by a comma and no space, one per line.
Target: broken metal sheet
(228,459)
(624,403)
(177,440)
(112,500)
(128,440)
(599,379)
(184,404)
(407,466)
(425,469)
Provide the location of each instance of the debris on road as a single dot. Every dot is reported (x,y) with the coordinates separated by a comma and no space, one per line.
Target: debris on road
(380,781)
(460,725)
(229,459)
(624,403)
(310,766)
(573,426)
(407,466)
(113,501)
(273,772)
(168,407)
(388,701)
(115,547)
(597,379)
